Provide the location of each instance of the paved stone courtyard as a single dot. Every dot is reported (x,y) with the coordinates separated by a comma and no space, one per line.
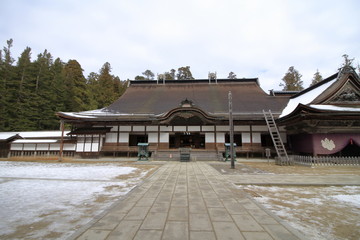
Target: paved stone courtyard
(187,201)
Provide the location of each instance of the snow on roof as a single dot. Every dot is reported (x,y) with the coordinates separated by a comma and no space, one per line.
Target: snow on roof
(33,134)
(335,108)
(100,113)
(305,98)
(36,141)
(7,135)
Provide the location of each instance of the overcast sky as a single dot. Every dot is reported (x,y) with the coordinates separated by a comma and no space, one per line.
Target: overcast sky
(251,38)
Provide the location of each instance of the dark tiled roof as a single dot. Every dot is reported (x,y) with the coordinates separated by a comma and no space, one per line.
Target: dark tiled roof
(147,97)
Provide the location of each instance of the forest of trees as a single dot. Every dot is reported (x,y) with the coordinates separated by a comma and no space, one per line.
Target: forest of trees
(32,91)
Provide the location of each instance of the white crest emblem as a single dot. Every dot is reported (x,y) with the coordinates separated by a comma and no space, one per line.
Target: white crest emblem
(328,144)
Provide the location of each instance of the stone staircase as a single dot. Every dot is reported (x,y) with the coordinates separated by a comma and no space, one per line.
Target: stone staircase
(195,155)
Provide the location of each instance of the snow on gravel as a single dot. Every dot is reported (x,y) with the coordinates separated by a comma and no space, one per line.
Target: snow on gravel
(330,213)
(62,170)
(53,200)
(351,199)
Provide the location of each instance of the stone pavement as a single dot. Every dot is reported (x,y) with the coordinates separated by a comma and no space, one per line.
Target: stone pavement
(187,201)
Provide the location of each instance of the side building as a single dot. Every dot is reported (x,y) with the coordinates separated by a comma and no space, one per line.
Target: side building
(325,119)
(36,144)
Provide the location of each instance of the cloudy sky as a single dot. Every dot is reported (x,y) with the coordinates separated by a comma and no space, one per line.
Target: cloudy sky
(252,38)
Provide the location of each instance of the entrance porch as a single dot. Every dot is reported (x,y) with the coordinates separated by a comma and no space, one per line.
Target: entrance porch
(187,140)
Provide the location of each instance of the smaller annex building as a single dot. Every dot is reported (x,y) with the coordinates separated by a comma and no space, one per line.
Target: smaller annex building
(36,144)
(323,119)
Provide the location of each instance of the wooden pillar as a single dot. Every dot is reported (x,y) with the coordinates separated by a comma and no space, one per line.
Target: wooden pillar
(231,126)
(62,127)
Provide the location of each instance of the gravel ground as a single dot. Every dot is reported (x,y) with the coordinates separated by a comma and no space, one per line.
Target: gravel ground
(326,212)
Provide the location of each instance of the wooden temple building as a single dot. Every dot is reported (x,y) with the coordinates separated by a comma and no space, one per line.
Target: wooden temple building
(323,119)
(177,114)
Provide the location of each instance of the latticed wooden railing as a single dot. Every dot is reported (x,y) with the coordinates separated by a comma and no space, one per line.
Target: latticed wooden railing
(40,153)
(325,161)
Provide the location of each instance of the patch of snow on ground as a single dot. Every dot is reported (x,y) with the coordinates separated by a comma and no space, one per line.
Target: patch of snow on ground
(319,212)
(62,170)
(352,199)
(62,197)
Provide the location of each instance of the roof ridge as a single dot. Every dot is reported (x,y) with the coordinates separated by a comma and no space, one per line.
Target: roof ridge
(195,81)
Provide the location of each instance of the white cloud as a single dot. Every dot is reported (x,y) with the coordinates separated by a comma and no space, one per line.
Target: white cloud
(251,38)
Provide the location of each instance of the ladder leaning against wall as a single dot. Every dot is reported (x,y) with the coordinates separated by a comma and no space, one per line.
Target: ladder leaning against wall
(283,158)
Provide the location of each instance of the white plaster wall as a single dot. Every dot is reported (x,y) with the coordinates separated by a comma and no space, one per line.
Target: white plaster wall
(124,137)
(138,128)
(179,128)
(29,146)
(194,128)
(165,128)
(208,128)
(125,128)
(111,137)
(245,138)
(114,128)
(95,147)
(152,128)
(209,137)
(220,137)
(222,128)
(80,147)
(42,147)
(55,146)
(242,128)
(69,147)
(256,137)
(164,137)
(16,146)
(283,137)
(152,137)
(87,147)
(260,128)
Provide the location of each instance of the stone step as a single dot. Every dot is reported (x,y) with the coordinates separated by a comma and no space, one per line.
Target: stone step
(195,155)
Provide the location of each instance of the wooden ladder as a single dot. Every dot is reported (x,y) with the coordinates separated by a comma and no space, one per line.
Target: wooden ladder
(276,138)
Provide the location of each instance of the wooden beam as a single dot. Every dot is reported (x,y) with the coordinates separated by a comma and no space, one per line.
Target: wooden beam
(62,127)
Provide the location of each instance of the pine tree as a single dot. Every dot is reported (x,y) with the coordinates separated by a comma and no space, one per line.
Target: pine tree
(149,75)
(20,92)
(31,92)
(44,101)
(139,78)
(57,91)
(232,75)
(317,78)
(173,74)
(292,80)
(77,98)
(7,76)
(184,73)
(106,86)
(94,89)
